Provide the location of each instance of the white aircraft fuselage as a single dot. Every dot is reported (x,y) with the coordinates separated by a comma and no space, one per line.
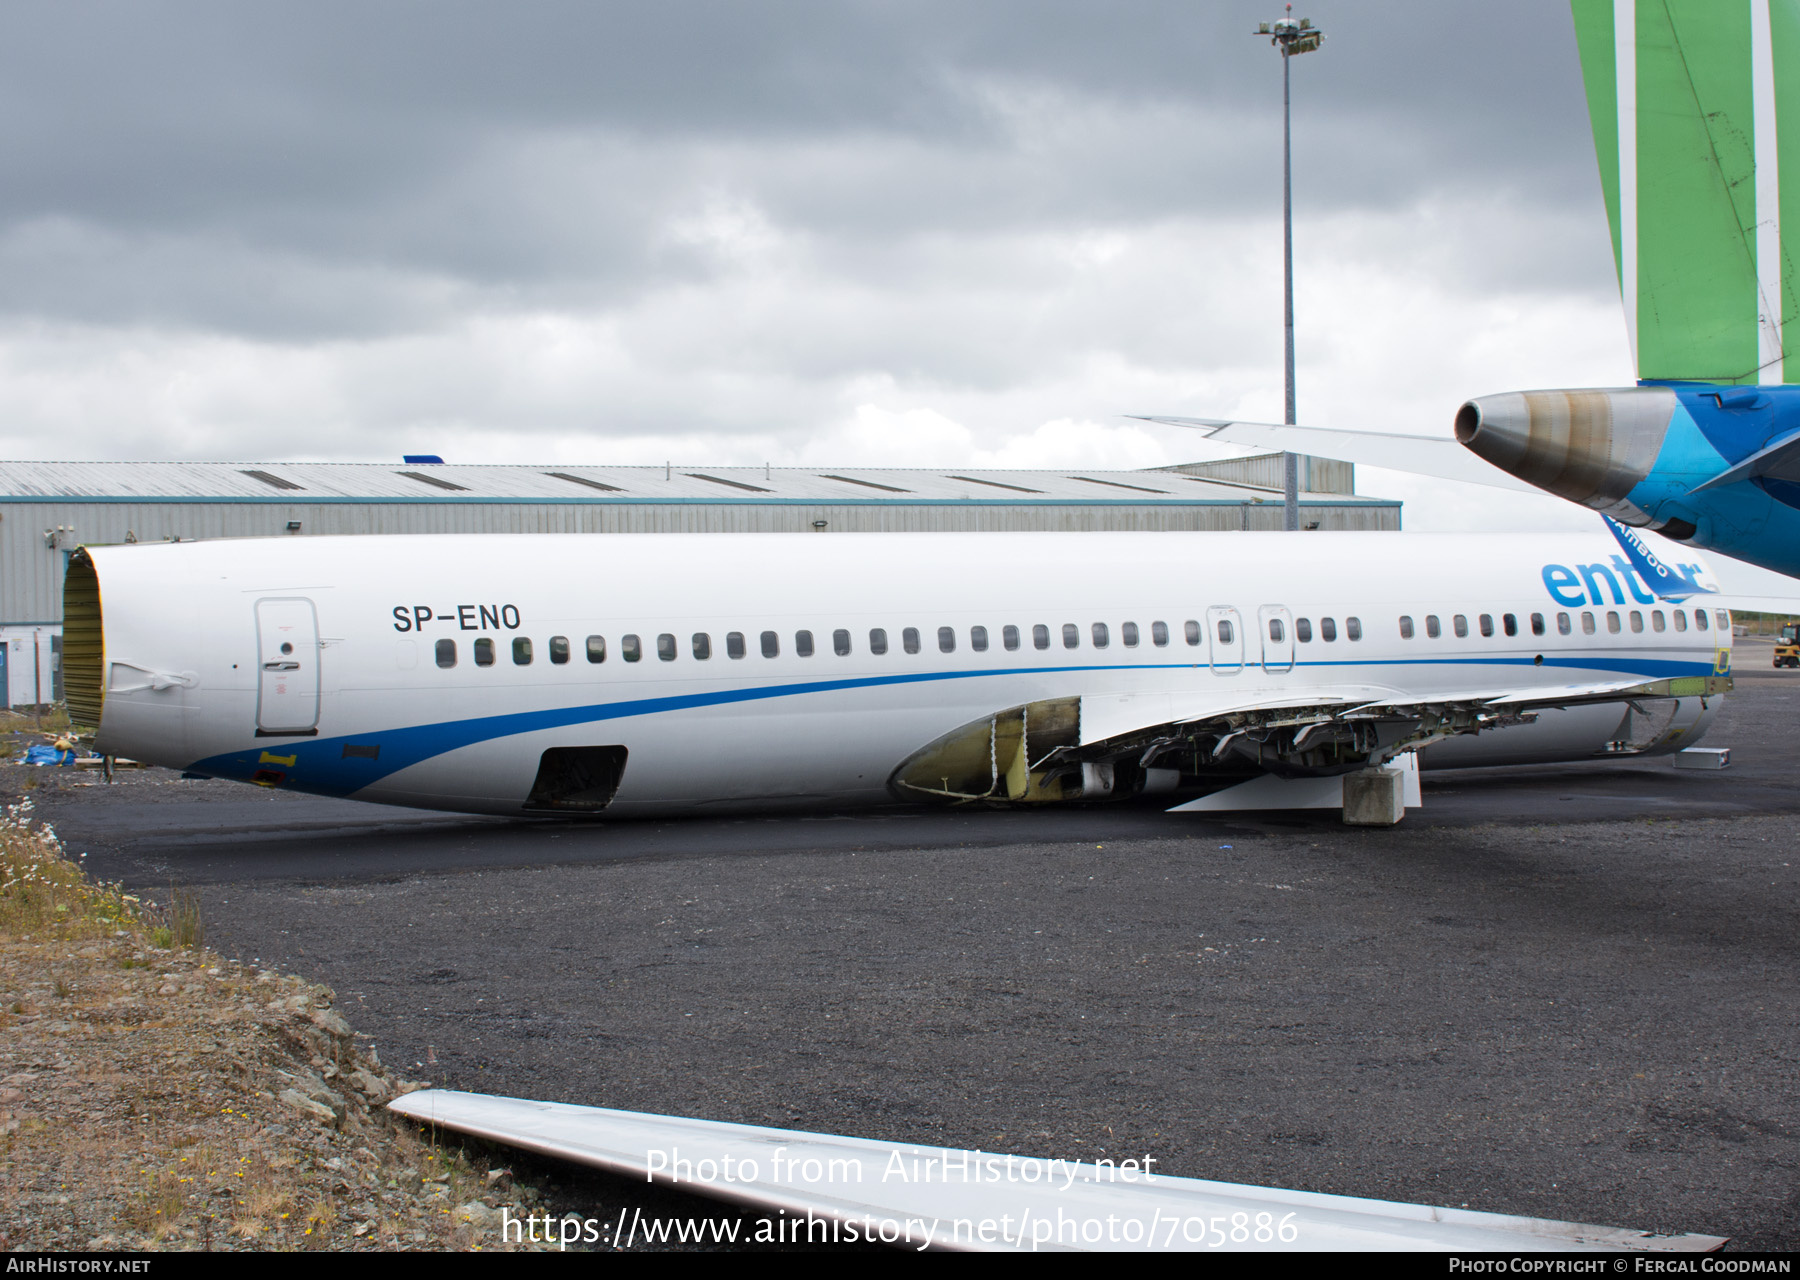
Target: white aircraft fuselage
(641,674)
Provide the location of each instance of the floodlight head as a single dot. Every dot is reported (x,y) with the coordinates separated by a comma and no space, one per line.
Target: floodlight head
(1292,35)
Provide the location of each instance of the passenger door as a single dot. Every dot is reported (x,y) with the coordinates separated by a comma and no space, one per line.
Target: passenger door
(1225,633)
(287,697)
(1277,622)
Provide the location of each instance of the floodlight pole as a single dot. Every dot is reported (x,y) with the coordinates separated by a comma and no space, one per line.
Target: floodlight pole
(1290,461)
(1291,37)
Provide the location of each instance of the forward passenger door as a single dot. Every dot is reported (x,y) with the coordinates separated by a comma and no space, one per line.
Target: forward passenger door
(287,694)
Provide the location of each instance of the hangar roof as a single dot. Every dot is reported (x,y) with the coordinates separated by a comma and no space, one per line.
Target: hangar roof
(438,482)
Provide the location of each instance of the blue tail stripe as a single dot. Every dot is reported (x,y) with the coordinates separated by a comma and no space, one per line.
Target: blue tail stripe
(1664,581)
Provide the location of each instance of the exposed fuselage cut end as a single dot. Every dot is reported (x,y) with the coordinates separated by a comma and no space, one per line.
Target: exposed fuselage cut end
(84,644)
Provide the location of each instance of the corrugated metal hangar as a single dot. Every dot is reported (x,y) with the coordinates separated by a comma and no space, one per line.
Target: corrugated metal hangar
(47,509)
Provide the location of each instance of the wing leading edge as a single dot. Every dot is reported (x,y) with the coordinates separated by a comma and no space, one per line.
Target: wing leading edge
(1436,456)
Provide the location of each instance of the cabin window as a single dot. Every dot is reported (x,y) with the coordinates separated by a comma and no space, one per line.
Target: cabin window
(1190,631)
(909,639)
(702,646)
(1353,628)
(596,648)
(1564,625)
(1303,630)
(803,645)
(1040,636)
(1537,624)
(840,643)
(734,644)
(1128,634)
(1071,635)
(1700,619)
(1406,627)
(978,639)
(1159,634)
(1723,618)
(771,645)
(1009,636)
(877,640)
(484,652)
(665,647)
(1612,621)
(1509,624)
(946,639)
(1637,620)
(1487,624)
(1226,632)
(1460,625)
(559,649)
(1587,624)
(1680,619)
(1657,622)
(1101,638)
(446,653)
(522,651)
(630,648)
(1276,631)
(1433,628)
(1328,628)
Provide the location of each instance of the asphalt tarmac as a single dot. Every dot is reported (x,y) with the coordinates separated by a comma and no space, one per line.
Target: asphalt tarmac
(1564,992)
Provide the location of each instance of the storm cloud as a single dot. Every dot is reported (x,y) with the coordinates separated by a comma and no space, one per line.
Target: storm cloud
(905,233)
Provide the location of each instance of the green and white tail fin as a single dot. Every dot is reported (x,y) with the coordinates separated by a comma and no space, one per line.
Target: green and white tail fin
(1696,113)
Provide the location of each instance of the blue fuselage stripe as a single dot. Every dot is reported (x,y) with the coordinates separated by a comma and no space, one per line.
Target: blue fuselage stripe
(319,764)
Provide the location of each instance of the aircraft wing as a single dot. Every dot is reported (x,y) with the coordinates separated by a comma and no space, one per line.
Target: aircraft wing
(1319,734)
(1105,717)
(849,1190)
(1115,715)
(1545,696)
(1438,456)
(1120,720)
(1778,461)
(1092,744)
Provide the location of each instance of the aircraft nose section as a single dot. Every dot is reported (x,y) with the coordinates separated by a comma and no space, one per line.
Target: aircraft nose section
(1591,447)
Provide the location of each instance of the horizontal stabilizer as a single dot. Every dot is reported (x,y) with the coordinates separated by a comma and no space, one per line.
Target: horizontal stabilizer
(919,1197)
(1422,455)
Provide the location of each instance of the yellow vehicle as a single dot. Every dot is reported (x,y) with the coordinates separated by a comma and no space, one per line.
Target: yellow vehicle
(1787,645)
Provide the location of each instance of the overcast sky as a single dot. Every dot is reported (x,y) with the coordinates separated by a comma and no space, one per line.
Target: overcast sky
(901,233)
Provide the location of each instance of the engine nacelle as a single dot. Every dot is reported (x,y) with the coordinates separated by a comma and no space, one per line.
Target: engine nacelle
(1591,446)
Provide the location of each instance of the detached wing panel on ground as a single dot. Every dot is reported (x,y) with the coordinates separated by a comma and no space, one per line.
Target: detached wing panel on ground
(937,1197)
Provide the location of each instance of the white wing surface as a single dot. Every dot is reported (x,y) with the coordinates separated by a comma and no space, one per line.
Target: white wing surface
(1437,456)
(935,1197)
